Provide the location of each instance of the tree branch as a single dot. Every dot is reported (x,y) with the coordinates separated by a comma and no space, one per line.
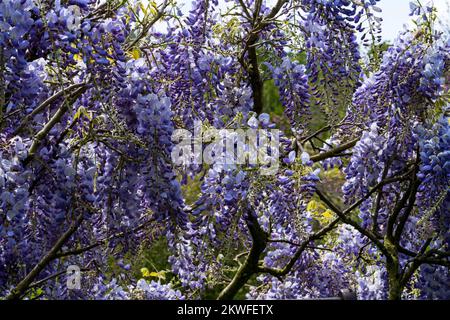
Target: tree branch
(23,285)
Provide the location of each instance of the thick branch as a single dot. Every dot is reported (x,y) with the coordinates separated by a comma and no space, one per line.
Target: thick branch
(315,134)
(244,8)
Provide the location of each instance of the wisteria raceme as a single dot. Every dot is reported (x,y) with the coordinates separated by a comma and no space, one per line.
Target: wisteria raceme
(370,278)
(156,291)
(217,217)
(410,74)
(285,218)
(150,117)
